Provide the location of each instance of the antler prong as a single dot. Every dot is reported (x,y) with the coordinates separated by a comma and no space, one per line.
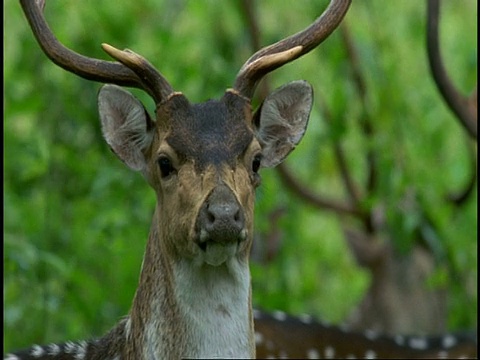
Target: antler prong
(272,57)
(158,86)
(251,73)
(91,68)
(463,107)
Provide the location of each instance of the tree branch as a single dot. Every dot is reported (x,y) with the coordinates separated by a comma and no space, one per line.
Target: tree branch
(318,201)
(348,182)
(365,120)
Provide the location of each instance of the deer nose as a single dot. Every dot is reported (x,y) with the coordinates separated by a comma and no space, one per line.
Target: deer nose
(221,218)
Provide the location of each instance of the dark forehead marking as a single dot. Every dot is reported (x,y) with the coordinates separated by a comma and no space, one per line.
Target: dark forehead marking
(213,132)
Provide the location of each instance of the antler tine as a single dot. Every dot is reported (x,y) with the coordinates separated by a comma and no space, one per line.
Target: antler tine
(463,107)
(272,57)
(145,71)
(122,74)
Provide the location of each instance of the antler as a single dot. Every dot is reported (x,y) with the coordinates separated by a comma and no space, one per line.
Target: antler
(464,108)
(133,70)
(272,57)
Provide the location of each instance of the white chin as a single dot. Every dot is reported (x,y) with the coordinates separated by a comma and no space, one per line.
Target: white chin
(216,253)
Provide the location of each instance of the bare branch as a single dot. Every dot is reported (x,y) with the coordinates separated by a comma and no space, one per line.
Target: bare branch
(313,199)
(365,120)
(348,182)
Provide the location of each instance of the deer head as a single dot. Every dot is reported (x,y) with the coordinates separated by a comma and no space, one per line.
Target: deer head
(202,160)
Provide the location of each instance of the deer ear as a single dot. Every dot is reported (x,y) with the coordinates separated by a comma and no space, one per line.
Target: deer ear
(126,125)
(282,119)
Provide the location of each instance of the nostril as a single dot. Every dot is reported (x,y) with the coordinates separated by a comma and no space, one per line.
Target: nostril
(203,245)
(210,216)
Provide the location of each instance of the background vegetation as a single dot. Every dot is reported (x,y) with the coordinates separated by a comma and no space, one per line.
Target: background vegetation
(76,219)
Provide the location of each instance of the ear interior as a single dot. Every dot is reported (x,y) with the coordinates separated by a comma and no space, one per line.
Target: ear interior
(282,120)
(126,126)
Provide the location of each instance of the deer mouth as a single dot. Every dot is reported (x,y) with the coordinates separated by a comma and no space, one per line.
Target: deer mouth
(217,251)
(220,226)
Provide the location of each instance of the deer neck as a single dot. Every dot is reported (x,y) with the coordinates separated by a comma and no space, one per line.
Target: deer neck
(183,309)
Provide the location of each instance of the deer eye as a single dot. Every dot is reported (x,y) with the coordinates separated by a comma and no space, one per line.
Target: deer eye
(165,165)
(256,163)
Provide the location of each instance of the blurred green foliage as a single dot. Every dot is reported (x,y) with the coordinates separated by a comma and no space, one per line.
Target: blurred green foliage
(76,219)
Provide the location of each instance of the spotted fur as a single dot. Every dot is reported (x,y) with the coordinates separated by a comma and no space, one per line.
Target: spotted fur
(280,336)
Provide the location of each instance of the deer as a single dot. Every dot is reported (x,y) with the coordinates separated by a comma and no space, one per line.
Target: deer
(202,160)
(168,319)
(282,336)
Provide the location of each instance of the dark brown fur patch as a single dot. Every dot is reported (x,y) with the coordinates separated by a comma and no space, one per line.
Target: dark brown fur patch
(213,132)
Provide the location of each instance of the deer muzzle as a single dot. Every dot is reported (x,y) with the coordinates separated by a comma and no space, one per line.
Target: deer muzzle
(220,225)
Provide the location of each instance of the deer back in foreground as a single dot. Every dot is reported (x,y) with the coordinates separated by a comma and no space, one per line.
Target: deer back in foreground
(202,160)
